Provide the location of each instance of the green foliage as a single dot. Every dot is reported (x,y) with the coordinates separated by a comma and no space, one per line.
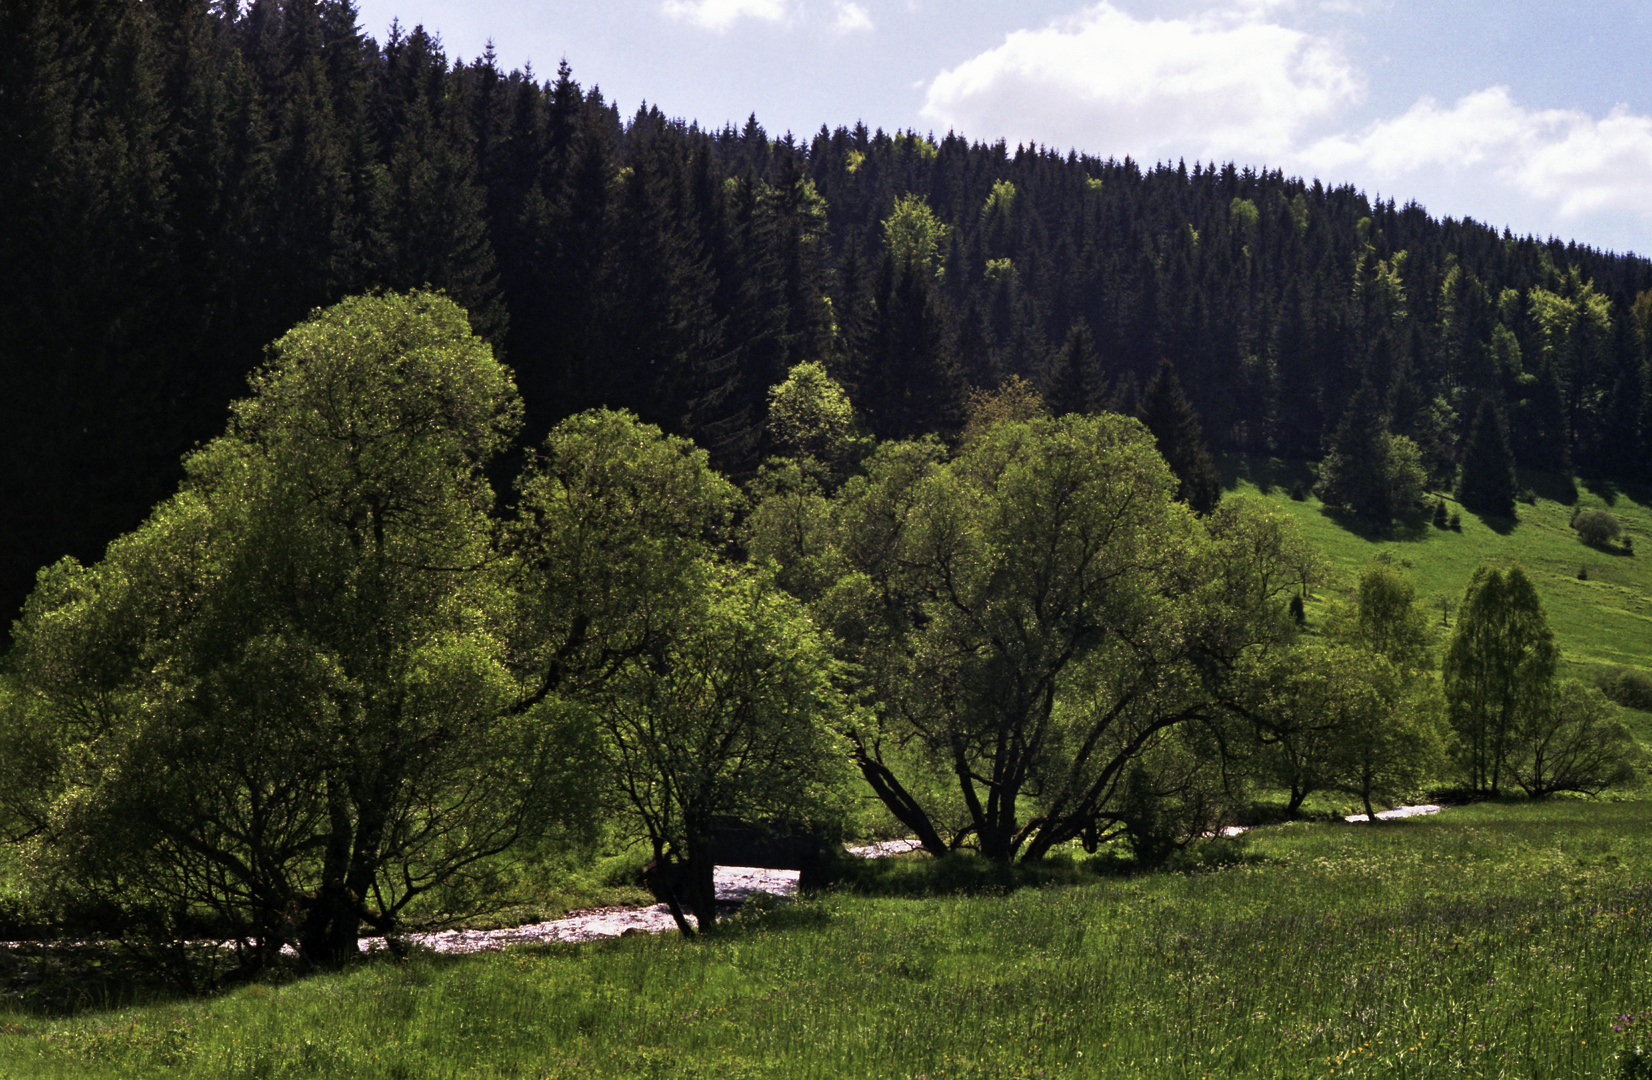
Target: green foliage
(1035,614)
(1344,718)
(1627,687)
(1499,674)
(809,414)
(914,236)
(1370,471)
(614,520)
(1578,744)
(1001,201)
(1016,401)
(1597,528)
(284,705)
(1386,618)
(1181,440)
(733,716)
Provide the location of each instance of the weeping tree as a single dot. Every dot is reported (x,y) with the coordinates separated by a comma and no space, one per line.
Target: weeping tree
(1030,618)
(284,707)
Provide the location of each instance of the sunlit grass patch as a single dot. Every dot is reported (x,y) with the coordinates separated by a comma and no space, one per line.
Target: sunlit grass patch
(1495,940)
(1600,620)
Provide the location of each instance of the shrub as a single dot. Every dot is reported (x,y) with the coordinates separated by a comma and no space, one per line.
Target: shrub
(1596,528)
(1627,687)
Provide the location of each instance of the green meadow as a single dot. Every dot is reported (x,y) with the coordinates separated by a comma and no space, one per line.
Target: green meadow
(1599,603)
(1498,940)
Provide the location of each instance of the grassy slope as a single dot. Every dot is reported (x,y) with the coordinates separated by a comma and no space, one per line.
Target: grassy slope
(1604,621)
(1493,941)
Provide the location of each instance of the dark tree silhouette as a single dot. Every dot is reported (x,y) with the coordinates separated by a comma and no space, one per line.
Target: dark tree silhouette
(1485,483)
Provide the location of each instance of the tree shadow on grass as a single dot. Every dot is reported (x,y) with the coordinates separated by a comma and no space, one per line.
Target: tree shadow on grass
(1607,491)
(1268,474)
(1498,524)
(1413,526)
(1554,486)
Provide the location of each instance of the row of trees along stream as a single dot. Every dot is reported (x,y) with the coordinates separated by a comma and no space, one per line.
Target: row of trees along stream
(332,678)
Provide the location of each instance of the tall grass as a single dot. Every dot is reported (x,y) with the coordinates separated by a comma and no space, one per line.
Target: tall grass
(1494,941)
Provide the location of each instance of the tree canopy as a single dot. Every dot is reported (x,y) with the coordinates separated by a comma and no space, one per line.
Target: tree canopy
(1033,615)
(287,698)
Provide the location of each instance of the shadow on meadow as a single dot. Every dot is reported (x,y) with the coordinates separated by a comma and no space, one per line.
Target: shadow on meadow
(1412,526)
(964,873)
(1554,486)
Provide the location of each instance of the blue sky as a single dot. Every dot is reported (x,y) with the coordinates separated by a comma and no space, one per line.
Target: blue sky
(1534,116)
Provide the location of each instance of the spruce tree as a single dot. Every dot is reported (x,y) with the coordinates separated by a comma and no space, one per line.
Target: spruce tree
(1069,380)
(911,384)
(1354,473)
(1485,483)
(1543,431)
(1181,440)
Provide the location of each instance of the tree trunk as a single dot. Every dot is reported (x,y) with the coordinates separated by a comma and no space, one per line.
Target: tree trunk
(701,884)
(327,937)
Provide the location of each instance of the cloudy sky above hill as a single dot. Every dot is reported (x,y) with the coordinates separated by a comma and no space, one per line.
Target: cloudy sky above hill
(1527,115)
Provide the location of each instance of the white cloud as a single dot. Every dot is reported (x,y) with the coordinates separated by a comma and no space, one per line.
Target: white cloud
(1237,82)
(1561,158)
(852,18)
(719,15)
(1222,84)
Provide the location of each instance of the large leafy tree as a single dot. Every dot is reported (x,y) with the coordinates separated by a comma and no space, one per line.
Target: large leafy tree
(710,687)
(1032,617)
(1343,717)
(285,702)
(732,718)
(1499,673)
(1579,744)
(1359,713)
(614,520)
(1515,722)
(1385,618)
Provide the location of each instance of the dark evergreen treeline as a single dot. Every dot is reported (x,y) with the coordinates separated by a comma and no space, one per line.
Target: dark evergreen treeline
(183,180)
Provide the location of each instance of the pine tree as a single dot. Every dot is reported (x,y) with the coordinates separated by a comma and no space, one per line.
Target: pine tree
(1069,380)
(911,384)
(1354,473)
(1297,377)
(1485,483)
(1543,434)
(1175,426)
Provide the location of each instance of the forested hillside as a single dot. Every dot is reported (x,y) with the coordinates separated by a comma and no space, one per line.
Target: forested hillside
(184,180)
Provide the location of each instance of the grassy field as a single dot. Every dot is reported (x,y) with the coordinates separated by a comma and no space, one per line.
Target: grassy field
(1499,940)
(1602,620)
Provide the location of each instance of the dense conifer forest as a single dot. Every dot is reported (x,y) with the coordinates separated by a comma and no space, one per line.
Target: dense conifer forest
(183,180)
